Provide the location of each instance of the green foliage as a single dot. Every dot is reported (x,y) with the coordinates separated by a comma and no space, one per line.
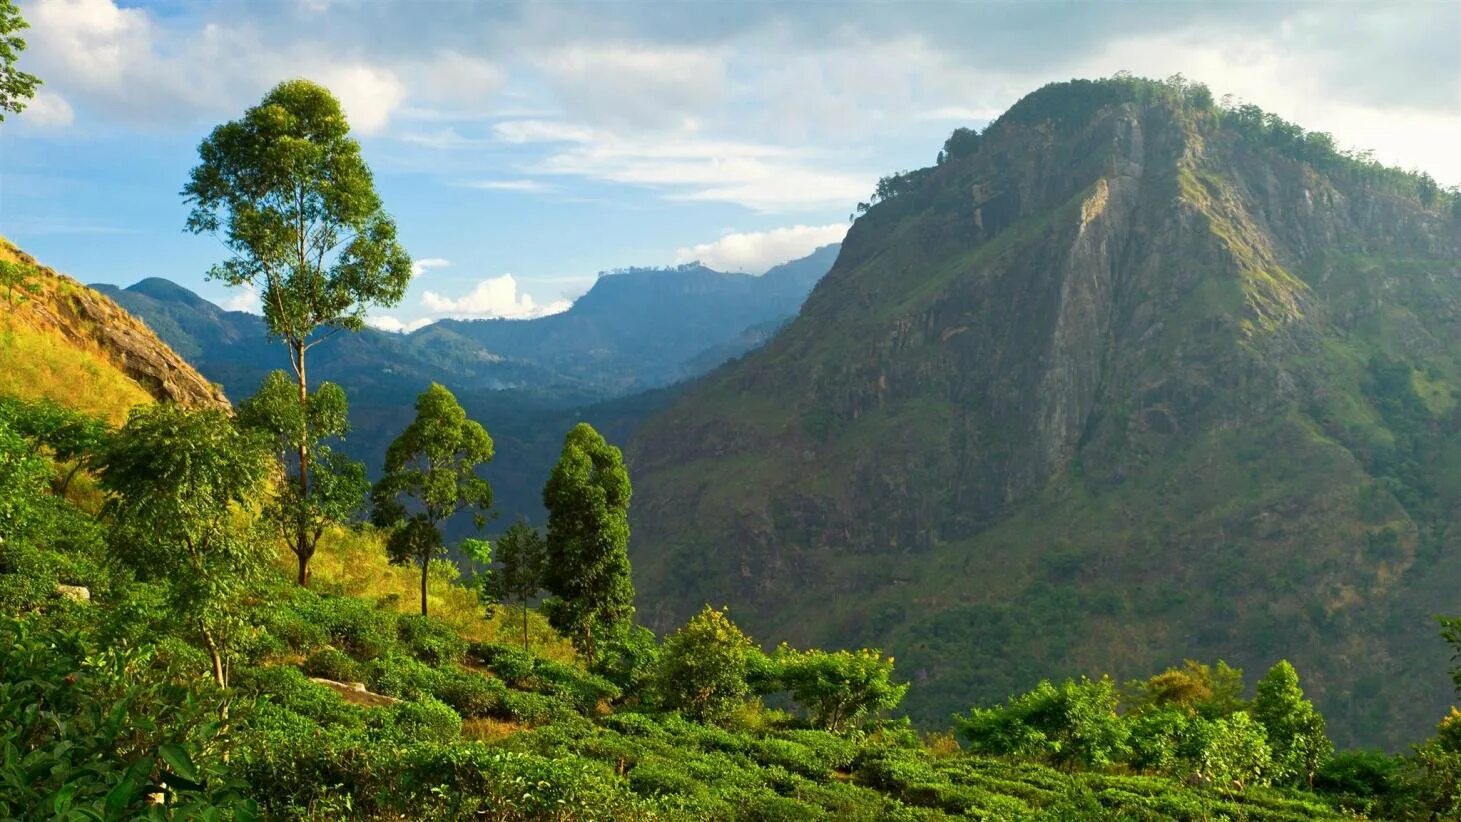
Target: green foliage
(16,87)
(1213,691)
(1294,728)
(1073,723)
(402,676)
(430,640)
(1450,632)
(473,696)
(336,485)
(629,658)
(296,205)
(839,688)
(70,436)
(587,565)
(434,464)
(89,733)
(426,719)
(174,475)
(962,143)
(519,572)
(330,663)
(1228,752)
(703,665)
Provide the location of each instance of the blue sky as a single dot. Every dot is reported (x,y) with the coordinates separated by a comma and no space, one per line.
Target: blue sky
(524,147)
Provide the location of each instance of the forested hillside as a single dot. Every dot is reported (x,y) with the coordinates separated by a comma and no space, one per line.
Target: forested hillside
(1128,377)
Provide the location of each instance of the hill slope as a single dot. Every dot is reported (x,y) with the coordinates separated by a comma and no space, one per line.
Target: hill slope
(63,341)
(1136,379)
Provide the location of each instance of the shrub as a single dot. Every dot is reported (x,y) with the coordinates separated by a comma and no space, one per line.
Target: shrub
(839,688)
(331,663)
(513,665)
(473,696)
(425,720)
(583,690)
(464,780)
(703,665)
(295,630)
(402,676)
(353,625)
(1360,774)
(431,640)
(531,708)
(628,659)
(288,688)
(1067,724)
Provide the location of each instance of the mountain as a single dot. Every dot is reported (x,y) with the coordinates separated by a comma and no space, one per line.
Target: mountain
(608,360)
(647,327)
(62,341)
(1125,379)
(634,330)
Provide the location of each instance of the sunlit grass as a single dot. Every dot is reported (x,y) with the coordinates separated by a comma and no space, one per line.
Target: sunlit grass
(353,562)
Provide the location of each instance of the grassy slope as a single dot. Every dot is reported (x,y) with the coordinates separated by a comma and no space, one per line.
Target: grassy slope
(39,363)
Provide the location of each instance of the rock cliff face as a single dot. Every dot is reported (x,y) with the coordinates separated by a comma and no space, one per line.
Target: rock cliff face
(1124,385)
(78,317)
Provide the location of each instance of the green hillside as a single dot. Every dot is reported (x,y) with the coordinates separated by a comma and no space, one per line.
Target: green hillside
(1127,378)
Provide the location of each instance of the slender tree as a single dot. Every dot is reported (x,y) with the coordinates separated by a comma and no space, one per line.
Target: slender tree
(287,191)
(174,476)
(431,474)
(519,570)
(587,568)
(16,87)
(1295,727)
(337,483)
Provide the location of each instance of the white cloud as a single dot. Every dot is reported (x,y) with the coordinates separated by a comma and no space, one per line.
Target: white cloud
(760,177)
(246,299)
(756,251)
(495,297)
(386,322)
(368,94)
(510,185)
(421,266)
(48,110)
(635,85)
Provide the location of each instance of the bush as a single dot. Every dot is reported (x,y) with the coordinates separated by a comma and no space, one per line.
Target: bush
(1067,724)
(466,780)
(295,630)
(331,663)
(425,720)
(353,625)
(289,689)
(513,665)
(583,690)
(532,709)
(702,669)
(431,640)
(628,659)
(1360,774)
(473,696)
(402,676)
(839,688)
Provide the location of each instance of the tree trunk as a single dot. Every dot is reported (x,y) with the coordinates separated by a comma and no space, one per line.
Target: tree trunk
(301,536)
(425,564)
(220,674)
(525,625)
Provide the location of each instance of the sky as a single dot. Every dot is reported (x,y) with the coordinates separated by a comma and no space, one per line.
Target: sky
(524,147)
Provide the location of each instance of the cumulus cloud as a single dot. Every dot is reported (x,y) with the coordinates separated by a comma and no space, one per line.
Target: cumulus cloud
(48,110)
(386,322)
(635,85)
(495,297)
(756,251)
(368,94)
(425,264)
(245,299)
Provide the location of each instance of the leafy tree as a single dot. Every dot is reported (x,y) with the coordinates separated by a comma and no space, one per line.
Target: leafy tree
(433,462)
(1073,723)
(1451,633)
(174,475)
(839,687)
(587,568)
(703,666)
(519,569)
(1228,752)
(337,485)
(1196,687)
(295,204)
(1295,728)
(961,143)
(16,275)
(16,87)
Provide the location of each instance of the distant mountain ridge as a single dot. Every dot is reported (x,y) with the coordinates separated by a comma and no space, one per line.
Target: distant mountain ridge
(635,330)
(610,359)
(1128,378)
